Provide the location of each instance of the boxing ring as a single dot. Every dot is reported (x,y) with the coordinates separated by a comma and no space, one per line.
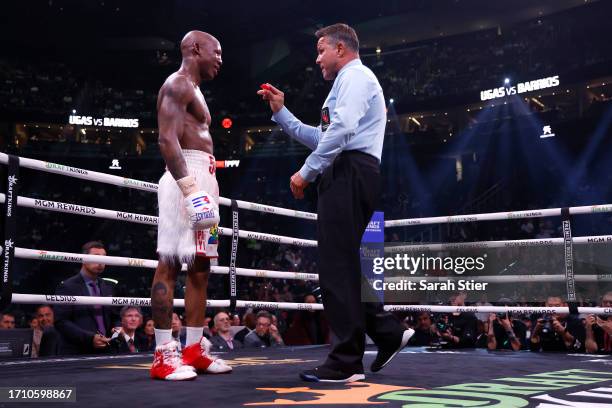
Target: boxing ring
(269,377)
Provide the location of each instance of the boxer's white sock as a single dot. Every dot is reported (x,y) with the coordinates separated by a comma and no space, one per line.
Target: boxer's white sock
(162,336)
(194,334)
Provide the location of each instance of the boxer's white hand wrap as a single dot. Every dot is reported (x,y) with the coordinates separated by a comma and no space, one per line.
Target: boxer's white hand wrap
(201,207)
(187,185)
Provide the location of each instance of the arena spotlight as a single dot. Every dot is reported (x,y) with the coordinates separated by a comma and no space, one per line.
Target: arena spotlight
(507,81)
(391,100)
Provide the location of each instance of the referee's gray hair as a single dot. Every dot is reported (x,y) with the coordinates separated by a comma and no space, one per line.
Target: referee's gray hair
(340,32)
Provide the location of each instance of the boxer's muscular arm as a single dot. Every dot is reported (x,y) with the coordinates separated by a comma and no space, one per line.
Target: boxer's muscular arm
(170,117)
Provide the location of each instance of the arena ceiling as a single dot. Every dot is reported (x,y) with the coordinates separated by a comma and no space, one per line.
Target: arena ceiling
(159,24)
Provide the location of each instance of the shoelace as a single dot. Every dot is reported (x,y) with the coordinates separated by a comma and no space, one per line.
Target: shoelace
(204,353)
(171,356)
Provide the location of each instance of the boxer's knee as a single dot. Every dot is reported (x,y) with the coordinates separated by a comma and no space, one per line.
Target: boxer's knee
(198,272)
(167,271)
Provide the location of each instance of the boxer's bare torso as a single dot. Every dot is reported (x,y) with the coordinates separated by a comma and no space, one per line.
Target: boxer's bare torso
(189,109)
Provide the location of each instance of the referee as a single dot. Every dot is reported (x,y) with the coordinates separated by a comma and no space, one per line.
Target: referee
(346,151)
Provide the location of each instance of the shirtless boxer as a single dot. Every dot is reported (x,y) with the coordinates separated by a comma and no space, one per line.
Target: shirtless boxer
(188,199)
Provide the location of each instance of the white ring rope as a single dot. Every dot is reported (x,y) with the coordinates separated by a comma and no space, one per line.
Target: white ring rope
(146,219)
(279,239)
(24,253)
(503,278)
(518,243)
(143,185)
(146,302)
(146,186)
(41,255)
(495,309)
(511,215)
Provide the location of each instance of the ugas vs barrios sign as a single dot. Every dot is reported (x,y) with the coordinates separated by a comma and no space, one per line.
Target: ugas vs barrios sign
(522,87)
(106,122)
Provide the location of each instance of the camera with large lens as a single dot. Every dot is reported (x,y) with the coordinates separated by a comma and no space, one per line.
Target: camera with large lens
(443,325)
(547,326)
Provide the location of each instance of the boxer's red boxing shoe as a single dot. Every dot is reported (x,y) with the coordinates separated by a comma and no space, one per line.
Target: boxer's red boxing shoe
(197,355)
(168,365)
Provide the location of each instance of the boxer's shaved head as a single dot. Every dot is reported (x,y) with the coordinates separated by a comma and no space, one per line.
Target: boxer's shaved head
(205,49)
(193,38)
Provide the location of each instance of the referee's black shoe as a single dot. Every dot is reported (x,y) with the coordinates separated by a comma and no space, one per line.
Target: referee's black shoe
(384,357)
(326,374)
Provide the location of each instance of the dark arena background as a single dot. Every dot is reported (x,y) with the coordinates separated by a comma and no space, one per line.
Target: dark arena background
(492,237)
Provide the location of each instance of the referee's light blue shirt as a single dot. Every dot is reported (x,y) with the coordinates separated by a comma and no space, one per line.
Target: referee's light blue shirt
(357,115)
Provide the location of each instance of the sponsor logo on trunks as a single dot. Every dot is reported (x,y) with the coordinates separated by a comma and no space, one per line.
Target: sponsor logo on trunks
(519,391)
(200,245)
(214,235)
(200,201)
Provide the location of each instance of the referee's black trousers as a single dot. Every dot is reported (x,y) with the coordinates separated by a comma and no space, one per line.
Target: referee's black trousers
(348,193)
